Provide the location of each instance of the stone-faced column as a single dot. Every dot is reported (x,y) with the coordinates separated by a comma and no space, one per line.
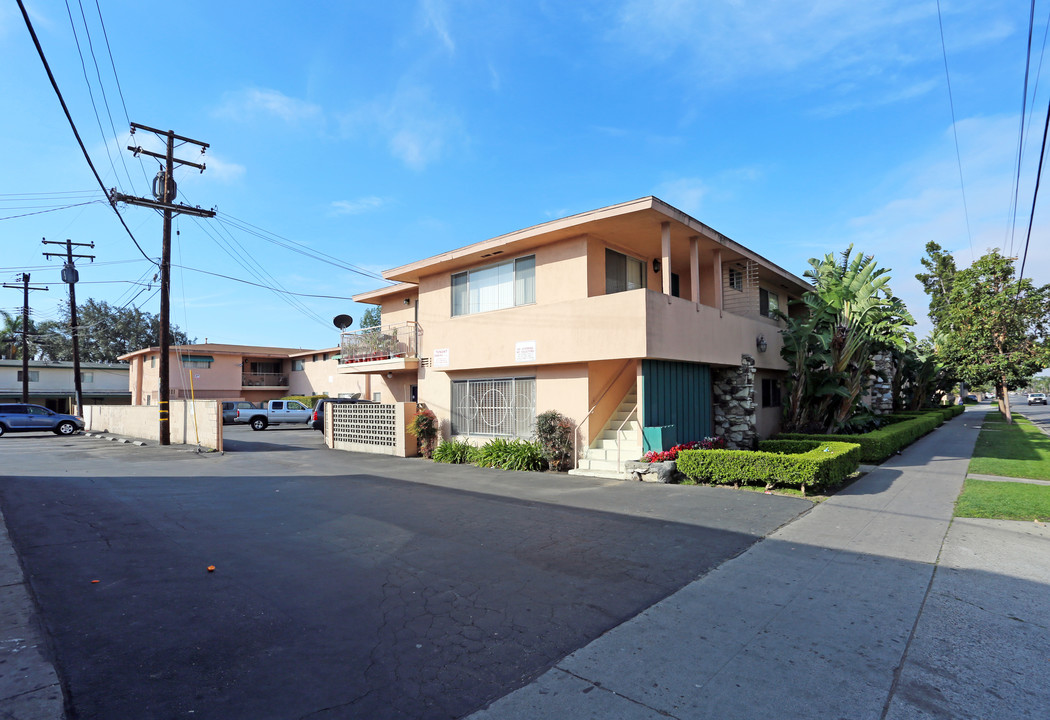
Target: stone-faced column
(735,411)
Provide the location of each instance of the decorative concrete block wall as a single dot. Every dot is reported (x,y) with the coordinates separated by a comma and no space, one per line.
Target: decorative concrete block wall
(733,395)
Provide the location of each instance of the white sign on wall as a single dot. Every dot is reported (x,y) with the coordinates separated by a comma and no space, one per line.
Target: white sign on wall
(525,351)
(441,357)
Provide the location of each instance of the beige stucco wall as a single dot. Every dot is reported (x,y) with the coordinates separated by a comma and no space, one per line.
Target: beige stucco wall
(190,423)
(322,377)
(580,339)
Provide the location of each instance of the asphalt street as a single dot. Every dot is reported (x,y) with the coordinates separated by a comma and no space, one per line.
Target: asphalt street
(344,585)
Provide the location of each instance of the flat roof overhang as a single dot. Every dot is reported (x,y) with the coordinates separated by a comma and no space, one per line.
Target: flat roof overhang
(623,224)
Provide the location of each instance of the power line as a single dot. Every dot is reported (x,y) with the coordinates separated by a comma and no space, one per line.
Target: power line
(267,287)
(1020,132)
(955,131)
(302,249)
(73,126)
(41,212)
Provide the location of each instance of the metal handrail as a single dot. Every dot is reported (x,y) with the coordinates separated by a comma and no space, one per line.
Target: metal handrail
(576,429)
(380,343)
(632,412)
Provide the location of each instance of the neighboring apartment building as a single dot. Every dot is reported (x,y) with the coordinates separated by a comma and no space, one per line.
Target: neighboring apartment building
(213,371)
(51,383)
(641,324)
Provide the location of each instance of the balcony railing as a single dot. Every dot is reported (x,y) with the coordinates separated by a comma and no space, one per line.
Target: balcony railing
(380,343)
(264,379)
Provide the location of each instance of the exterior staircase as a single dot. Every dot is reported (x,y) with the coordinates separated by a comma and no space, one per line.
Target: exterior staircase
(600,459)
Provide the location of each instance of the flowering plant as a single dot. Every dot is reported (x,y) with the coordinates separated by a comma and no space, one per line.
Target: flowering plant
(708,443)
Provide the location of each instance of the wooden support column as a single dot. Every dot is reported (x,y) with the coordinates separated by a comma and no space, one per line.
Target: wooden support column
(694,268)
(716,272)
(665,250)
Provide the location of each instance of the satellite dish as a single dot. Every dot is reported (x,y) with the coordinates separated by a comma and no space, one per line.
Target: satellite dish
(342,321)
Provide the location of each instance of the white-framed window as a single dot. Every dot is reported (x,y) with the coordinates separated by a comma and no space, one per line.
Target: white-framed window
(622,272)
(736,279)
(34,376)
(498,286)
(768,303)
(504,407)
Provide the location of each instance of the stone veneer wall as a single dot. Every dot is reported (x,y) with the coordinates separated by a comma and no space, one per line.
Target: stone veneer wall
(733,395)
(880,395)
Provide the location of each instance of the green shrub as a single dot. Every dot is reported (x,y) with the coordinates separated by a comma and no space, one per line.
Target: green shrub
(878,445)
(804,464)
(554,432)
(425,427)
(516,454)
(456,452)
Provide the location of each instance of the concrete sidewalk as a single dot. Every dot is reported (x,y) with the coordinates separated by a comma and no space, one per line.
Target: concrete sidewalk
(873,605)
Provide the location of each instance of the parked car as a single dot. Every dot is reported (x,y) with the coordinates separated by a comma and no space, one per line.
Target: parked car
(316,419)
(274,412)
(230,408)
(36,418)
(1036,398)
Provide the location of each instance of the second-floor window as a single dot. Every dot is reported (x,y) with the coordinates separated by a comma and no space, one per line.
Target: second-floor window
(495,287)
(623,272)
(298,364)
(768,303)
(196,361)
(34,376)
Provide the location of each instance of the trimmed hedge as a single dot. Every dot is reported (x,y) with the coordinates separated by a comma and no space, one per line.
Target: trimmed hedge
(804,464)
(877,445)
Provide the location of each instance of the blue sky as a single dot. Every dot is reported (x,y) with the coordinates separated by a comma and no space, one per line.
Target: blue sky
(381,133)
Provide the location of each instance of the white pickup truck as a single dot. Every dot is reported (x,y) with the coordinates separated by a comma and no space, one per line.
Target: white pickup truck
(274,412)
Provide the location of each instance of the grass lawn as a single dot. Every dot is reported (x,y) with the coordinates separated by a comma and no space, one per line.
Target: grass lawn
(1020,450)
(1004,501)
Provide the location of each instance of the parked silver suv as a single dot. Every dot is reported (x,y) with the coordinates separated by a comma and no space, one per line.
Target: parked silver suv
(36,418)
(1036,398)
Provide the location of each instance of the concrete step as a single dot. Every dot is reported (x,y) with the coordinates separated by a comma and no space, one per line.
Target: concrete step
(626,453)
(604,474)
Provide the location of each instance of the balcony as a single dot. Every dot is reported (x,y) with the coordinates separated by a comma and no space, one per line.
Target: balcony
(264,380)
(381,348)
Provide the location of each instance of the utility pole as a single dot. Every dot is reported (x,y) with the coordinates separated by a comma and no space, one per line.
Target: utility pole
(70,275)
(25,287)
(164,193)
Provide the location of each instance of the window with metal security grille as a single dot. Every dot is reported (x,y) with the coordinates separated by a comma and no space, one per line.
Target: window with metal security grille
(498,286)
(504,407)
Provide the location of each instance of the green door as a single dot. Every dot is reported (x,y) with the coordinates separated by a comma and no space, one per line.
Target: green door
(676,396)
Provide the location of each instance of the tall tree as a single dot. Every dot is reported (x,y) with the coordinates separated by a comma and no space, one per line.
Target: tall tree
(11,336)
(372,317)
(106,333)
(998,327)
(937,282)
(851,314)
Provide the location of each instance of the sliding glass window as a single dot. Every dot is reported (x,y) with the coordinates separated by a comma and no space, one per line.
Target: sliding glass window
(495,287)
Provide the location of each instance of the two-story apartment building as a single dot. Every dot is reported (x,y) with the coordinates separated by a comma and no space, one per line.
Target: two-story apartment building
(640,323)
(52,385)
(214,371)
